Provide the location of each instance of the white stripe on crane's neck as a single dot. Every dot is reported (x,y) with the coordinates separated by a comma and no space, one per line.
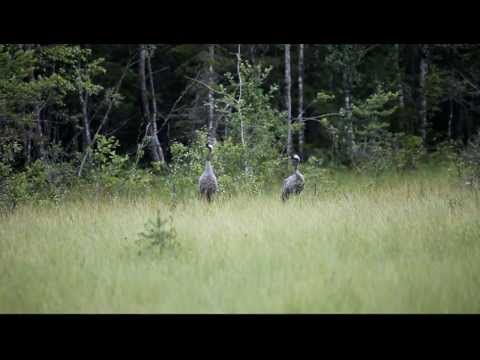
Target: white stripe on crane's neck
(209,155)
(296,161)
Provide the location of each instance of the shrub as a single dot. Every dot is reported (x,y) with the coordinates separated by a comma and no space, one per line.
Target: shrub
(382,151)
(159,237)
(245,162)
(469,164)
(320,179)
(113,174)
(408,152)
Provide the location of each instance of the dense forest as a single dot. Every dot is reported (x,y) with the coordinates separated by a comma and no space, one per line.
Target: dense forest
(135,111)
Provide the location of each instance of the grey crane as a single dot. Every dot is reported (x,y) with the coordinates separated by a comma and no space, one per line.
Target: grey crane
(294,183)
(207,183)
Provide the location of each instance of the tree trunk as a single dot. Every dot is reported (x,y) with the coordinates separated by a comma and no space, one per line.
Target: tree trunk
(460,124)
(301,135)
(450,119)
(348,110)
(28,146)
(240,88)
(143,83)
(87,137)
(288,99)
(154,130)
(252,53)
(467,127)
(154,143)
(401,97)
(422,93)
(39,132)
(211,101)
(240,85)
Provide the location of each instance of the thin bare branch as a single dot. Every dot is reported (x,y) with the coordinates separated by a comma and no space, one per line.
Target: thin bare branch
(104,119)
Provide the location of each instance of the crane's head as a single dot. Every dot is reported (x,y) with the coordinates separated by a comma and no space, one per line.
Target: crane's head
(296,158)
(209,146)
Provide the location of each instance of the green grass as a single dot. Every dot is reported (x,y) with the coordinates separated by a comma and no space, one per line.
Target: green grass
(402,245)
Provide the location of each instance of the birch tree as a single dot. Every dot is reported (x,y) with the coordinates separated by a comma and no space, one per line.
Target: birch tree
(150,116)
(345,60)
(399,76)
(211,100)
(240,88)
(301,134)
(422,110)
(288,99)
(84,72)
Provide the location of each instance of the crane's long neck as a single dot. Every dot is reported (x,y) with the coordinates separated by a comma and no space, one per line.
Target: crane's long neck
(295,165)
(208,165)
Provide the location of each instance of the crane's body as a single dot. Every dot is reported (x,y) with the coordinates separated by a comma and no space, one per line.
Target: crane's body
(207,183)
(295,183)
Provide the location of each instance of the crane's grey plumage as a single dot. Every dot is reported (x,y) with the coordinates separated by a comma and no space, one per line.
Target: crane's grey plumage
(294,183)
(207,183)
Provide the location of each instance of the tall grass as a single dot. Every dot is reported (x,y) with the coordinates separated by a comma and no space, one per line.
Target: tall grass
(396,245)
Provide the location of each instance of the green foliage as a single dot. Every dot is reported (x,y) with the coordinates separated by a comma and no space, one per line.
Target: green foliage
(323,97)
(187,165)
(43,88)
(382,151)
(52,179)
(105,156)
(264,127)
(447,153)
(39,183)
(469,165)
(159,237)
(409,152)
(377,106)
(114,174)
(370,119)
(436,87)
(36,80)
(345,59)
(264,135)
(320,178)
(240,167)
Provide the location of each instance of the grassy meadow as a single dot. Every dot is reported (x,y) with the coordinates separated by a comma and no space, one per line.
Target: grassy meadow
(403,244)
